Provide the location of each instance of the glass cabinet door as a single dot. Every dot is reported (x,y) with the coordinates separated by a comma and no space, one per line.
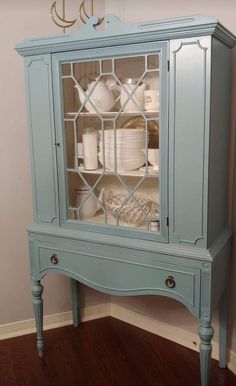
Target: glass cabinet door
(112,140)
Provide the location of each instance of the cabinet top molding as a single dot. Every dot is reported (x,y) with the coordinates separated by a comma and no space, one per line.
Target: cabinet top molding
(118,32)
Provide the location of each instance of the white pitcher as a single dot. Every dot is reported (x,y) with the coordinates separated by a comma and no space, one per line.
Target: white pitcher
(90,205)
(137,101)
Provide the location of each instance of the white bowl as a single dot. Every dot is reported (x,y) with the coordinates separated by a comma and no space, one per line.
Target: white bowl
(153,156)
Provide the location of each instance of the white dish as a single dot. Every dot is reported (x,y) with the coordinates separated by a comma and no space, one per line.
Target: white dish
(121,147)
(121,131)
(111,160)
(123,155)
(122,136)
(122,164)
(122,141)
(129,155)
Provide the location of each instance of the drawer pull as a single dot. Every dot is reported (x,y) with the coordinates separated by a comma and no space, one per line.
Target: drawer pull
(170,282)
(54,259)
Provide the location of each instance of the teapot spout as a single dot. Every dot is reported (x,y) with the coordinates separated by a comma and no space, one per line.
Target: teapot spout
(81,94)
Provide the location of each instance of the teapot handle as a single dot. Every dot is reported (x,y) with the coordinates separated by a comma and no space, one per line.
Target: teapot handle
(117,88)
(101,199)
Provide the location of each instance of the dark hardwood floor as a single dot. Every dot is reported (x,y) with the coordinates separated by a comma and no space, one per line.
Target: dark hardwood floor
(103,352)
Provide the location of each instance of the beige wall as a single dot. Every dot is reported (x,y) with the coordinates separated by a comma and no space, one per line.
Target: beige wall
(20,20)
(163,309)
(26,18)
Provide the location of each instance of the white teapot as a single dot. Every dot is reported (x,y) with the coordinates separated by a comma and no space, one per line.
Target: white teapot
(102,95)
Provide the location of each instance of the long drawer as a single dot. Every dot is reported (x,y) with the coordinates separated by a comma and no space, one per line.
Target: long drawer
(125,278)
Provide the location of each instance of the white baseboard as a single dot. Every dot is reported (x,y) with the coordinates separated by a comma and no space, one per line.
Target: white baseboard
(24,327)
(175,334)
(232,361)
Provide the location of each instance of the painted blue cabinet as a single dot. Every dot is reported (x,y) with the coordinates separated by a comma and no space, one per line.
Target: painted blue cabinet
(130,141)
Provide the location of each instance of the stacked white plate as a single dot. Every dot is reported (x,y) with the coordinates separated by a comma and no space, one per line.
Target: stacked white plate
(129,145)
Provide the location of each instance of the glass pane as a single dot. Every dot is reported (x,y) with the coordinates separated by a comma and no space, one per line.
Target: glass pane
(66,69)
(112,132)
(70,145)
(152,62)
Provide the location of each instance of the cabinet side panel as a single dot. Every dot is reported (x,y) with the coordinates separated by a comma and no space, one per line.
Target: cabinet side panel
(189,128)
(40,112)
(219,140)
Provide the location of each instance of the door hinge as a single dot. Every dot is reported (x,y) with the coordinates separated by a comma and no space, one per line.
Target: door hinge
(168,65)
(167,221)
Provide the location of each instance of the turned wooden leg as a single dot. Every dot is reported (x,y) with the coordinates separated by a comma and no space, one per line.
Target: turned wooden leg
(223,316)
(75,302)
(37,290)
(206,333)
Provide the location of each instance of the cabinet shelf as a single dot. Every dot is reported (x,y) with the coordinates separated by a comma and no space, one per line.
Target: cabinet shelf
(148,114)
(129,173)
(99,219)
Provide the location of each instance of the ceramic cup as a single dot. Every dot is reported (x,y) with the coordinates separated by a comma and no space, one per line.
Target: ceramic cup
(89,203)
(151,100)
(153,157)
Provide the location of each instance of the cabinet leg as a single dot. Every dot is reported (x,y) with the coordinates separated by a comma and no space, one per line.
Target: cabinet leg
(75,302)
(37,290)
(206,333)
(223,316)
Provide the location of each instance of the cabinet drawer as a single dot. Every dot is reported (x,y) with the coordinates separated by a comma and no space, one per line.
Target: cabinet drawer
(125,278)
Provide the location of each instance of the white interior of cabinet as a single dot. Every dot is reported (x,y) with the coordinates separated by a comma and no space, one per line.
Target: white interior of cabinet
(141,182)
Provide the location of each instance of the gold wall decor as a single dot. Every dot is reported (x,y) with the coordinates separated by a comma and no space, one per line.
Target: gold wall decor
(62,22)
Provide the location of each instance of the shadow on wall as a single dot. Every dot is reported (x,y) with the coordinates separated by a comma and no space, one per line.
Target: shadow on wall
(232,207)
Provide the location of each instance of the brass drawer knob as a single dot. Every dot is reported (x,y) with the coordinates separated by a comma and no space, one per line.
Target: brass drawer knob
(54,259)
(170,282)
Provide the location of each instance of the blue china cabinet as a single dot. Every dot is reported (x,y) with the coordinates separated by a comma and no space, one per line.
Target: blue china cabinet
(130,140)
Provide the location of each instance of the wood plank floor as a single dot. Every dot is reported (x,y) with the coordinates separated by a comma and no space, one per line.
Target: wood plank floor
(103,352)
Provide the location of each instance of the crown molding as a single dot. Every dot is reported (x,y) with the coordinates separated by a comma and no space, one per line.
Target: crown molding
(118,32)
